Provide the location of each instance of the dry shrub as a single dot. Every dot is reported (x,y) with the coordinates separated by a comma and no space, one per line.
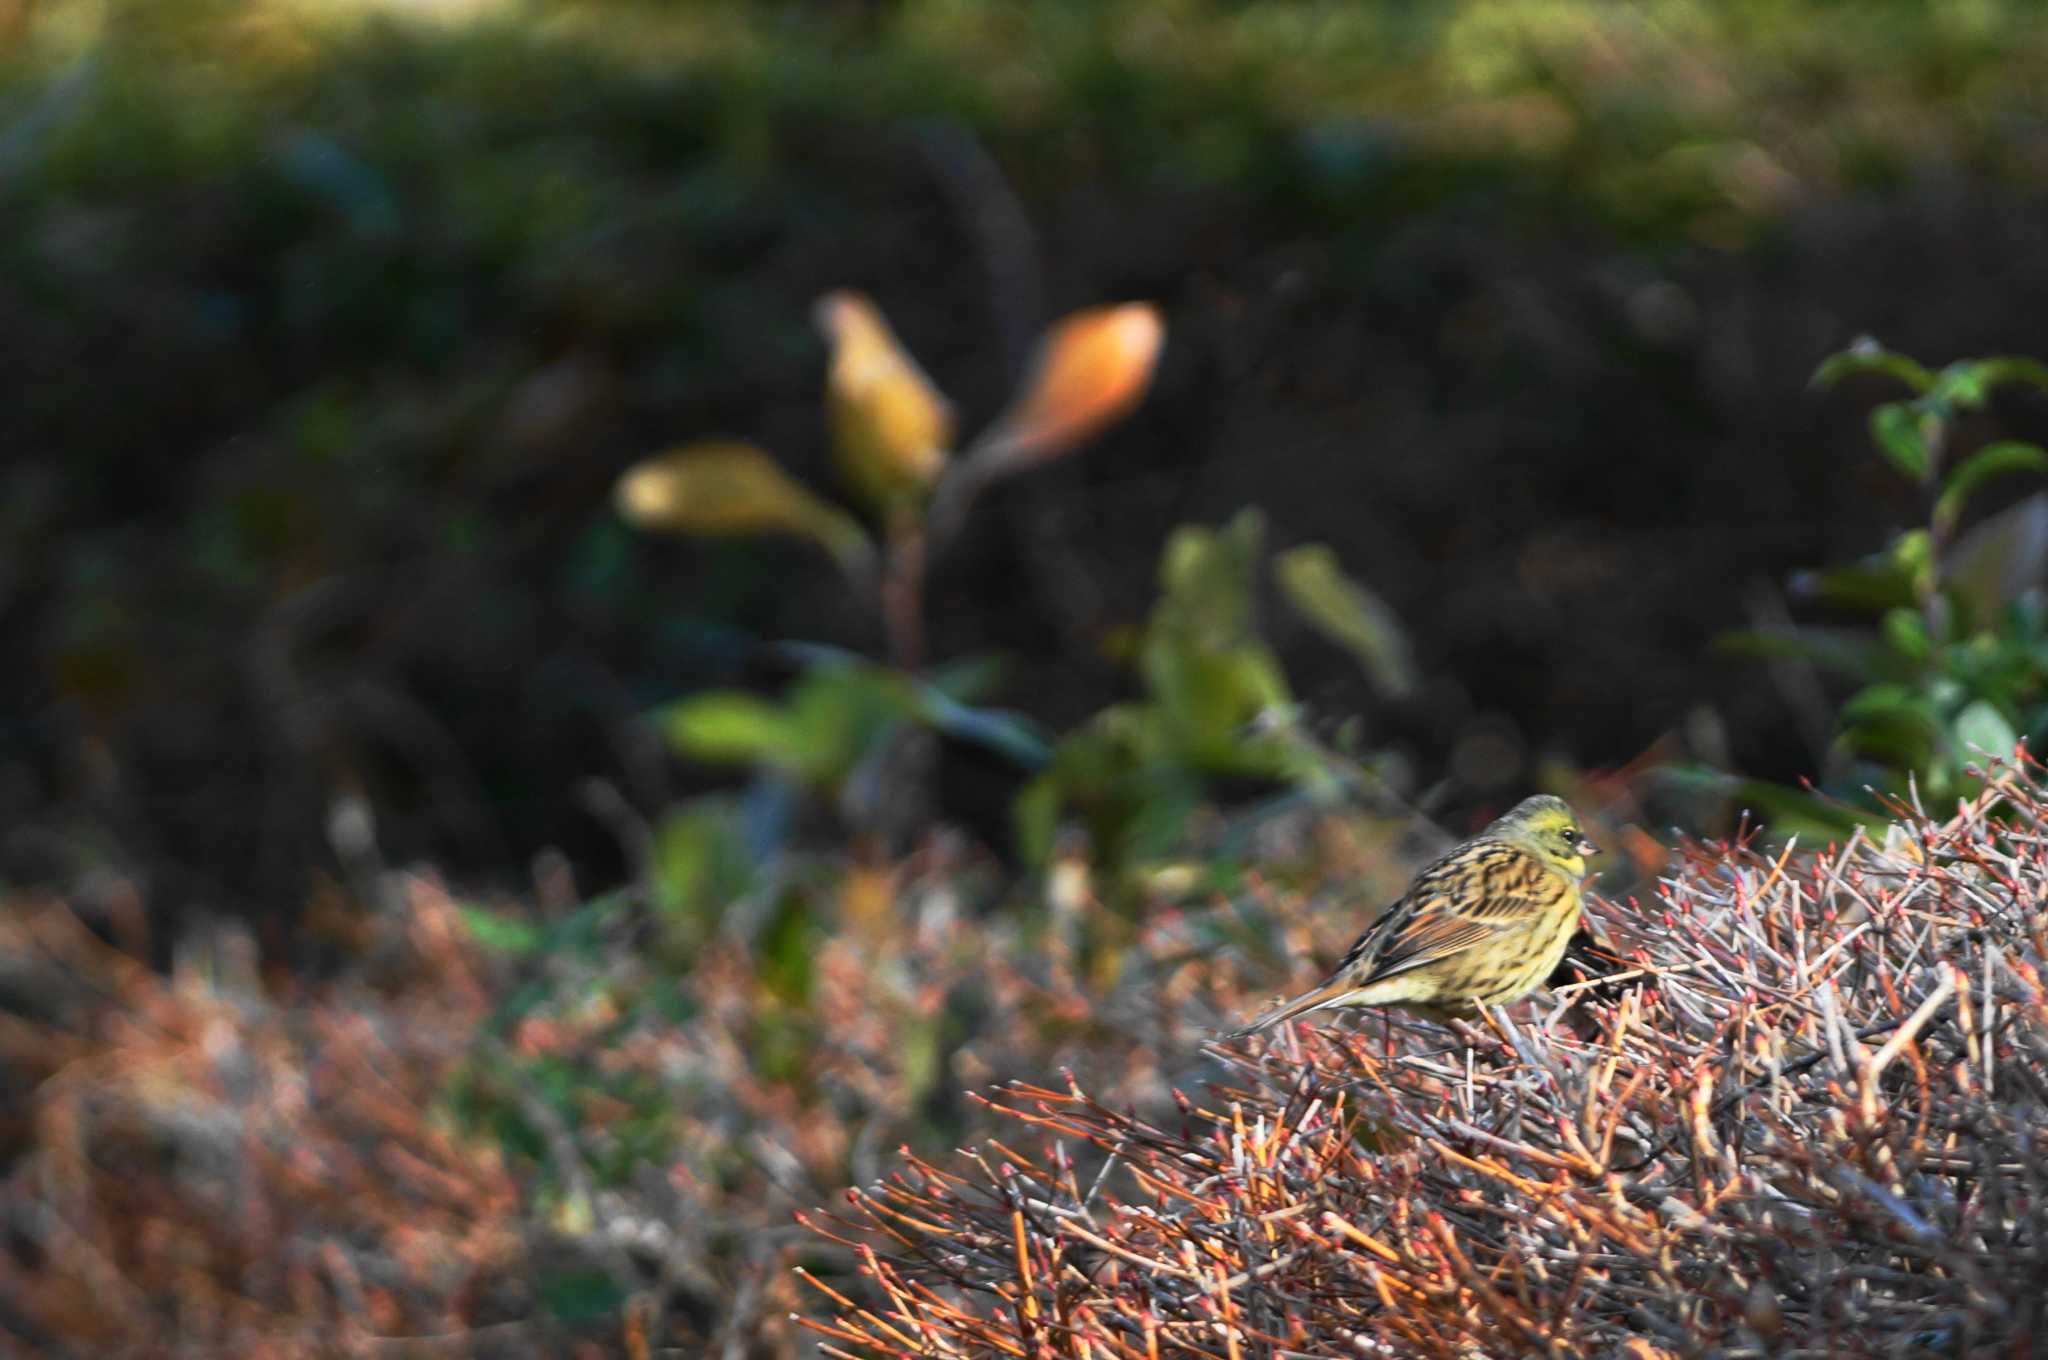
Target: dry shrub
(1807,1117)
(592,1149)
(1815,1114)
(205,1170)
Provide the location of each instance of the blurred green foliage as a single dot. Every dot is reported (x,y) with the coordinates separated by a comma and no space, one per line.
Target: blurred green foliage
(1215,702)
(1952,662)
(843,729)
(1214,706)
(568,974)
(841,714)
(302,289)
(1660,112)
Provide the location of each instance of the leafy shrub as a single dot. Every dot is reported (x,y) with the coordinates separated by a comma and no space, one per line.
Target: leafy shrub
(1215,703)
(1134,773)
(1953,663)
(841,730)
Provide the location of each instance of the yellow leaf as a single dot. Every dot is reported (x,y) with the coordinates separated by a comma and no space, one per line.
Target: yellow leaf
(727,489)
(1092,368)
(890,427)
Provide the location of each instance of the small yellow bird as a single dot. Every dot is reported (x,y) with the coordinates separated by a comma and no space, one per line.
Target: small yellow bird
(1484,925)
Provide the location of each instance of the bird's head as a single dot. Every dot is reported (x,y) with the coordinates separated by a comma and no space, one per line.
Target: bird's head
(1547,828)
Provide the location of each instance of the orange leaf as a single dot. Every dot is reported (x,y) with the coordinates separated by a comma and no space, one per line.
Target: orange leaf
(1091,370)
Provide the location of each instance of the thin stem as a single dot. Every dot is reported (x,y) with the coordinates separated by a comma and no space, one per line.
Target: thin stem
(902,590)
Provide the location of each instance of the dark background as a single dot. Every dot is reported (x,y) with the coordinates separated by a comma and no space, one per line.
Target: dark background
(326,339)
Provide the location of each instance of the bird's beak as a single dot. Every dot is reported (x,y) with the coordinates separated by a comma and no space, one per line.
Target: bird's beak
(1588,849)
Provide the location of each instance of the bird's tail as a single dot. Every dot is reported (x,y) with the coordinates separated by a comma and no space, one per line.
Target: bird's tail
(1329,994)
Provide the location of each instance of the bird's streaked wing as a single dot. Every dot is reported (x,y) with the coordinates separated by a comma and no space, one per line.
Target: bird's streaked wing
(1461,900)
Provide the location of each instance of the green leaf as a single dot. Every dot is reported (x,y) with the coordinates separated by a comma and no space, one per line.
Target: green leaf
(512,935)
(698,863)
(968,678)
(729,727)
(1961,384)
(1913,554)
(1874,583)
(1205,698)
(1206,578)
(1897,429)
(587,932)
(1349,615)
(1867,356)
(1993,460)
(1906,631)
(1164,798)
(782,1046)
(1850,652)
(840,712)
(917,1047)
(1879,700)
(939,700)
(1035,817)
(1983,727)
(786,952)
(581,1294)
(1892,722)
(2013,369)
(1007,733)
